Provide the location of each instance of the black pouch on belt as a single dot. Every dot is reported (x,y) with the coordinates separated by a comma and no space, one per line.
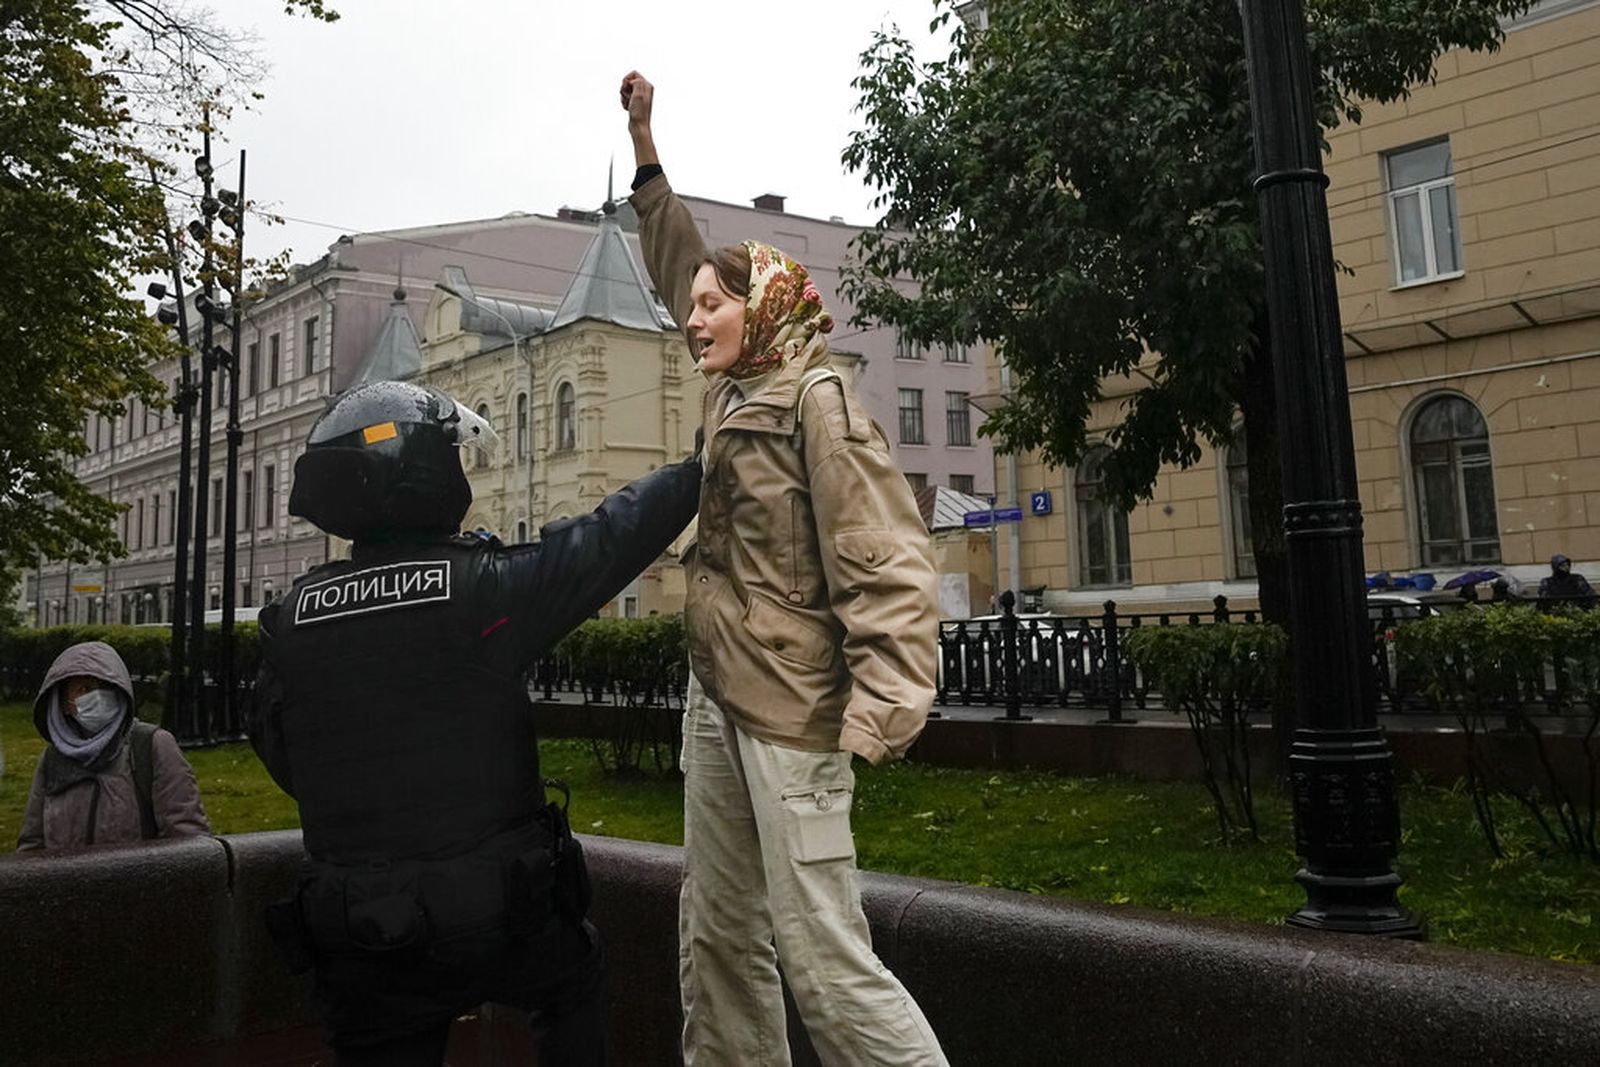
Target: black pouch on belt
(572,889)
(287,928)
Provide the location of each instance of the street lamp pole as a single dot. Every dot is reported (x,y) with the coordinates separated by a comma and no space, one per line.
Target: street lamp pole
(1346,815)
(527,358)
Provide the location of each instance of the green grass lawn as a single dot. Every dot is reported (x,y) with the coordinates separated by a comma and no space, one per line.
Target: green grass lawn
(1111,840)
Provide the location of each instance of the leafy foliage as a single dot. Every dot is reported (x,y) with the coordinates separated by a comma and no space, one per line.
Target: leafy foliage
(91,96)
(1491,664)
(1218,676)
(1073,184)
(643,663)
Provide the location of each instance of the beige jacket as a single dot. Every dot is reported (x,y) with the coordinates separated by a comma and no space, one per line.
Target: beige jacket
(812,607)
(64,794)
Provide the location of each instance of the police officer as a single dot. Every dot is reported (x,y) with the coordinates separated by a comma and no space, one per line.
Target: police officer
(392,705)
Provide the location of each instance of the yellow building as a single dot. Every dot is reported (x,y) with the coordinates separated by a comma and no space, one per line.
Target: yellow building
(1470,217)
(585,397)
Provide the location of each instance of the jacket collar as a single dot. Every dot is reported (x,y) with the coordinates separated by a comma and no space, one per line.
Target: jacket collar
(772,410)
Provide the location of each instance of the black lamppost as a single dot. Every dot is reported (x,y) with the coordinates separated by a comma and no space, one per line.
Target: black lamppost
(176,718)
(211,313)
(232,215)
(1346,816)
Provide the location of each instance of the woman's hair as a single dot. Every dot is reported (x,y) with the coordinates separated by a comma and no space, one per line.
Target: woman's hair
(732,264)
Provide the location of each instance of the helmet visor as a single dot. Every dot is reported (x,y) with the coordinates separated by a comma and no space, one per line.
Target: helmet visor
(468,429)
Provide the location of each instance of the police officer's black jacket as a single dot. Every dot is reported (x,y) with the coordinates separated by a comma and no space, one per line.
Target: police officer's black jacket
(392,700)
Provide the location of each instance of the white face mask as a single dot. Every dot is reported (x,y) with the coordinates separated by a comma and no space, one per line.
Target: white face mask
(97,709)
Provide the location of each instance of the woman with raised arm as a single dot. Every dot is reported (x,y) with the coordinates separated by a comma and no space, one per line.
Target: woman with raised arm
(812,627)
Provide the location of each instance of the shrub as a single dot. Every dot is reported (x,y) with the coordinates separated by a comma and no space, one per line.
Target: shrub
(1218,676)
(642,663)
(1492,664)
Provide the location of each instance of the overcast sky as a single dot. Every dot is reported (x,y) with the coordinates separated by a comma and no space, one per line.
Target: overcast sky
(415,112)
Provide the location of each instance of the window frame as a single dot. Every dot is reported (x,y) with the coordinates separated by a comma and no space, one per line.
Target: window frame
(566,418)
(957,413)
(1118,567)
(1470,551)
(1423,191)
(918,423)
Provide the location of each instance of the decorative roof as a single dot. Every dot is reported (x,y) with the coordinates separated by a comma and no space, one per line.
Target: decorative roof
(492,316)
(397,352)
(943,508)
(609,285)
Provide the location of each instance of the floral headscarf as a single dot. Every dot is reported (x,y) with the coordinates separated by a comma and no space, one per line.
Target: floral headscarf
(782,312)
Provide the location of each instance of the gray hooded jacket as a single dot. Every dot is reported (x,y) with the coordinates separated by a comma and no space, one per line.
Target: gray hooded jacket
(65,792)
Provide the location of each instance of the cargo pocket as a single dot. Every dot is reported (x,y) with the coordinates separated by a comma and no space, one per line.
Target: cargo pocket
(866,549)
(822,824)
(529,885)
(392,922)
(788,634)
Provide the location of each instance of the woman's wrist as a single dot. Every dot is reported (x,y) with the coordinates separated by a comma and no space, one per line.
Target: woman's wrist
(644,146)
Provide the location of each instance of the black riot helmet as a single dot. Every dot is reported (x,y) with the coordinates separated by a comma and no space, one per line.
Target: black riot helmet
(382,462)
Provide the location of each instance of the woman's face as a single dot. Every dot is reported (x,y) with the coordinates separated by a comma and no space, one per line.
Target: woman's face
(73,688)
(717,324)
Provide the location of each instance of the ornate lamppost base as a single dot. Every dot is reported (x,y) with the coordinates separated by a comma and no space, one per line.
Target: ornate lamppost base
(1355,904)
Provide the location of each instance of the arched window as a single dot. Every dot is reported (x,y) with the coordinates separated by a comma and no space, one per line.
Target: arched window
(1454,484)
(1244,555)
(1102,527)
(566,418)
(522,425)
(480,458)
(522,531)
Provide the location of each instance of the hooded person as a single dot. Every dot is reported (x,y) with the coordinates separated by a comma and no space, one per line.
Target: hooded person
(812,622)
(1562,583)
(104,777)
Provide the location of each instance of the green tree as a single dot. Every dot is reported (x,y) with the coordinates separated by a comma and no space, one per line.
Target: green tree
(90,95)
(1073,184)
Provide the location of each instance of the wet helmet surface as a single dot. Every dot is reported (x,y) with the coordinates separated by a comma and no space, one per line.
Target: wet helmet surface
(383,461)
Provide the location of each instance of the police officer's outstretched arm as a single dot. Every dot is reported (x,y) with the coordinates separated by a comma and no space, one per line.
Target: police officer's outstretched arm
(579,564)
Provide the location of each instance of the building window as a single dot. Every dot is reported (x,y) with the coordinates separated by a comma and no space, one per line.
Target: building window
(1102,527)
(566,418)
(247,498)
(906,348)
(916,481)
(252,378)
(955,352)
(480,458)
(311,345)
(1238,466)
(138,523)
(911,432)
(172,515)
(962,483)
(957,419)
(1422,212)
(522,425)
(274,359)
(1454,484)
(630,606)
(269,493)
(522,532)
(145,412)
(155,519)
(246,592)
(216,507)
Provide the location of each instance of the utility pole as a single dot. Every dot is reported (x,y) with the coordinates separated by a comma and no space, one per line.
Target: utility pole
(1346,815)
(232,213)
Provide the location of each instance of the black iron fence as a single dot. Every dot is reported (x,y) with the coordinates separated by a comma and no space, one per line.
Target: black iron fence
(1081,661)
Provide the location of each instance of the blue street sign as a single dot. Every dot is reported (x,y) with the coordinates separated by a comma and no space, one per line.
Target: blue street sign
(981,518)
(1041,502)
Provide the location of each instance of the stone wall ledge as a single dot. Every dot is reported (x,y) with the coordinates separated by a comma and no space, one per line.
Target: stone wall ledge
(122,951)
